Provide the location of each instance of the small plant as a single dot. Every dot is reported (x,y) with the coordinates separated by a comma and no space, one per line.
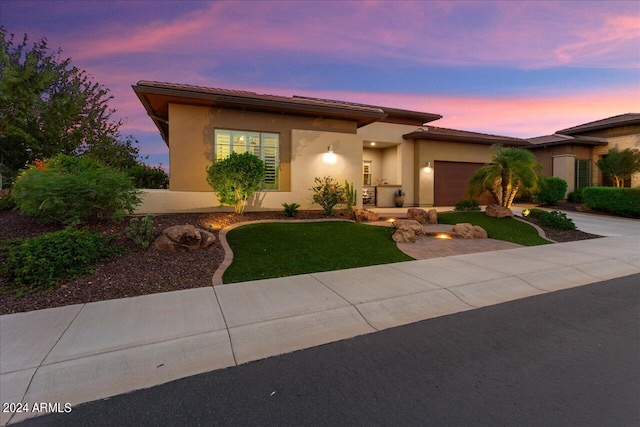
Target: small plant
(328,193)
(399,193)
(550,190)
(6,203)
(554,219)
(575,196)
(290,209)
(141,231)
(351,196)
(467,205)
(45,261)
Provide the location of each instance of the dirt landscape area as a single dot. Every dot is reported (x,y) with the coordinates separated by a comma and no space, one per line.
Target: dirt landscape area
(140,272)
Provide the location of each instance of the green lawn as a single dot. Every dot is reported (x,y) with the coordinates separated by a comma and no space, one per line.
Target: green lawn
(262,251)
(507,229)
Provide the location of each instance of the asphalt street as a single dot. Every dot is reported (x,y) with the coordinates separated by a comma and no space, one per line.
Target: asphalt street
(567,358)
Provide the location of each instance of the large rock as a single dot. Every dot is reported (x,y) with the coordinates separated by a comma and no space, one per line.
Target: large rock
(362,215)
(410,224)
(468,231)
(181,238)
(417,214)
(432,216)
(404,235)
(498,211)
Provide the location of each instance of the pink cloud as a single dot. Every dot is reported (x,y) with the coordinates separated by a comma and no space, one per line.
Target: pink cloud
(521,34)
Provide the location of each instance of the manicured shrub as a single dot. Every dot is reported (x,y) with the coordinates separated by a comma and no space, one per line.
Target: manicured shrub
(72,190)
(550,190)
(328,193)
(141,231)
(554,219)
(575,196)
(613,200)
(290,209)
(236,178)
(148,177)
(47,260)
(467,205)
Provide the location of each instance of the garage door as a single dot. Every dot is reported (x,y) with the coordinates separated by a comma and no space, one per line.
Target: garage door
(450,182)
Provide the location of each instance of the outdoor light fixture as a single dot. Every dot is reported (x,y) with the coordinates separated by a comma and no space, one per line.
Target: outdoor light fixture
(373,144)
(427,167)
(329,156)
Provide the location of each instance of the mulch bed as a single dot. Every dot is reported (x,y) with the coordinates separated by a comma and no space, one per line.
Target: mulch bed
(561,235)
(140,272)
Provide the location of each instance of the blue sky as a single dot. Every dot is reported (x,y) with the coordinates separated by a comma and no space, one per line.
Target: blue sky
(511,68)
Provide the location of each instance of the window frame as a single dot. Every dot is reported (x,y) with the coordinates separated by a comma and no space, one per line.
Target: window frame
(257,143)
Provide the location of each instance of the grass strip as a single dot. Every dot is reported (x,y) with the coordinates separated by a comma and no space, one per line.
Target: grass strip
(507,229)
(262,251)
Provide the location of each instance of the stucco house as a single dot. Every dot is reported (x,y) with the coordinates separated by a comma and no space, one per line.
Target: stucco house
(572,153)
(379,149)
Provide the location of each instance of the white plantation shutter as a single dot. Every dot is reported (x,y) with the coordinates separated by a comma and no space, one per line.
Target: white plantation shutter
(265,146)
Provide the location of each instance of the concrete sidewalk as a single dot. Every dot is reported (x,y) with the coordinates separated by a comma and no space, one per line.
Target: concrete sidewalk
(85,352)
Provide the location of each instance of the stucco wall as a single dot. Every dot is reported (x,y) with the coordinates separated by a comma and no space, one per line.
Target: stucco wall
(191,135)
(385,132)
(307,163)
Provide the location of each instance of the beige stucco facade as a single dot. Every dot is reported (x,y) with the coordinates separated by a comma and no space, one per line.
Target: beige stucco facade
(303,143)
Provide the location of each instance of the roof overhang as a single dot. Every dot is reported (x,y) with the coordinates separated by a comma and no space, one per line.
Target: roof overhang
(453,135)
(156,97)
(559,140)
(629,119)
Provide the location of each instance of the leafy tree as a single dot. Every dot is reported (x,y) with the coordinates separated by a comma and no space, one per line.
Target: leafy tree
(620,165)
(50,107)
(511,169)
(236,178)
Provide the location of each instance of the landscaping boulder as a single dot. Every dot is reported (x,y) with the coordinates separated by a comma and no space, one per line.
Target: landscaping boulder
(181,238)
(432,216)
(497,211)
(362,215)
(468,231)
(410,224)
(404,235)
(417,214)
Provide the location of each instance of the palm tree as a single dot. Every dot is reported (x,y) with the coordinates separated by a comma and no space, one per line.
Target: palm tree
(510,170)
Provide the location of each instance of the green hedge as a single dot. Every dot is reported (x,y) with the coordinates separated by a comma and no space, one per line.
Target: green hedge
(613,200)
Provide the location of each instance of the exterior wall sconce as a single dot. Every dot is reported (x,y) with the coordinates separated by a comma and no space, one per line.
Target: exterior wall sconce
(329,156)
(427,167)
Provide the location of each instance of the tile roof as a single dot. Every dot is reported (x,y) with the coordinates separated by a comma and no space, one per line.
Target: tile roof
(455,135)
(610,122)
(240,95)
(557,139)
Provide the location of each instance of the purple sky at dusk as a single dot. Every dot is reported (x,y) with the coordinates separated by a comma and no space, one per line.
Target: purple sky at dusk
(519,69)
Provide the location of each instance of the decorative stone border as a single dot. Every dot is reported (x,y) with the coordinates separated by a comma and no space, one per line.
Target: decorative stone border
(538,229)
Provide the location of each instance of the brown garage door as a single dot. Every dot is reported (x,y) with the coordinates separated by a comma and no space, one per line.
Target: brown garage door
(450,182)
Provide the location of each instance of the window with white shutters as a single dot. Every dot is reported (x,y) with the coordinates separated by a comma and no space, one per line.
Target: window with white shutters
(265,146)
